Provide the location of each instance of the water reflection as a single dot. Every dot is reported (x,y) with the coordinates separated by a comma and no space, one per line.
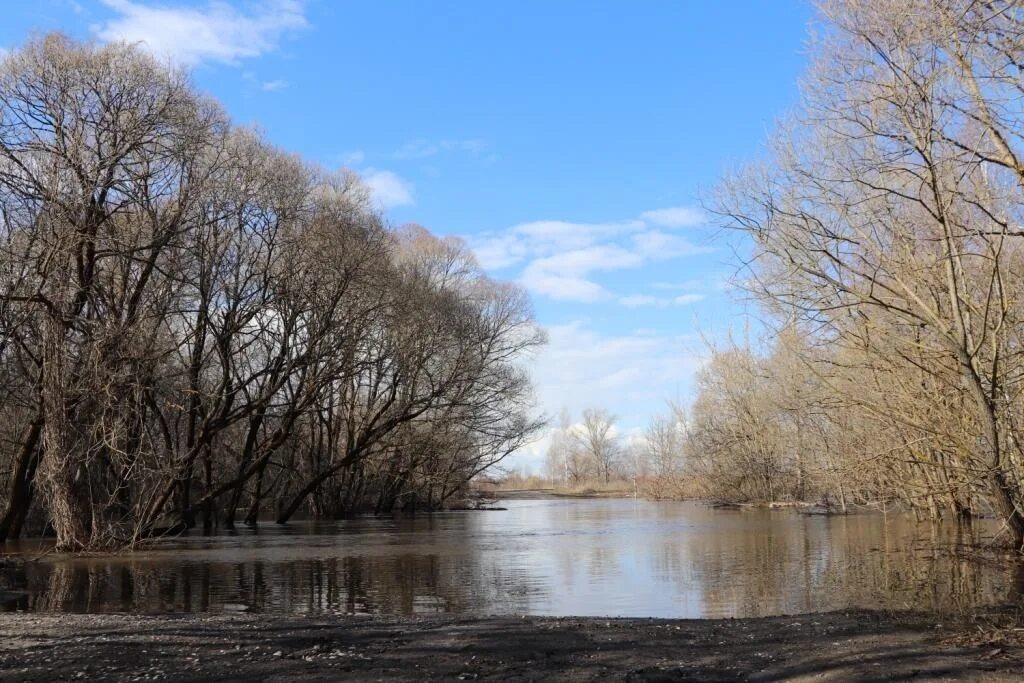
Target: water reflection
(581,557)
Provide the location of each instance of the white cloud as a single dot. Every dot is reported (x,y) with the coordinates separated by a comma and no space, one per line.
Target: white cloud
(217,32)
(423,149)
(531,458)
(525,241)
(660,246)
(639,300)
(272,86)
(677,286)
(560,258)
(687,299)
(388,188)
(675,217)
(498,252)
(630,374)
(563,275)
(568,235)
(597,257)
(352,158)
(563,287)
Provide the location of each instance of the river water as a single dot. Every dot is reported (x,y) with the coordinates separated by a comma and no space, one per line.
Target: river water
(595,557)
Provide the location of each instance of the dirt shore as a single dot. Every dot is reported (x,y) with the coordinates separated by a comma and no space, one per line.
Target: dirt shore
(863,646)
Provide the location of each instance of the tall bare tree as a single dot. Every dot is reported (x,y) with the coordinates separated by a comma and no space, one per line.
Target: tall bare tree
(195,325)
(888,214)
(597,440)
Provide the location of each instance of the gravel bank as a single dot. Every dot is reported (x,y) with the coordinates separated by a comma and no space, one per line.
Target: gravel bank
(833,646)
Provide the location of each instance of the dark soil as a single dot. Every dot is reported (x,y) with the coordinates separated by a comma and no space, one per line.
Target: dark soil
(861,646)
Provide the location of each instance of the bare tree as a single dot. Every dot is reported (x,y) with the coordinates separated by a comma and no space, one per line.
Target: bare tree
(597,440)
(558,457)
(888,215)
(662,453)
(194,324)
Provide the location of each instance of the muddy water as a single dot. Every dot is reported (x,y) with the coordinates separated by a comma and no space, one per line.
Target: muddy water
(550,557)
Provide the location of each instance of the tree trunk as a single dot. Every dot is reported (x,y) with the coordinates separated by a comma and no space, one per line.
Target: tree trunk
(61,472)
(253,516)
(1003,499)
(21,489)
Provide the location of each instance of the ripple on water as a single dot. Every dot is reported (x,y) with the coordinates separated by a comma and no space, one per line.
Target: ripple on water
(547,557)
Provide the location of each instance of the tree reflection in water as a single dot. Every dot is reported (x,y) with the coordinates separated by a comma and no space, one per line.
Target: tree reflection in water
(584,557)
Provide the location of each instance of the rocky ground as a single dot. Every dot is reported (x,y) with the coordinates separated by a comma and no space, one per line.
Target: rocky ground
(865,646)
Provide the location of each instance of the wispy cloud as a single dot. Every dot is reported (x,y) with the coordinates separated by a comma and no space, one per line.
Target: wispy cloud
(352,158)
(642,300)
(423,149)
(583,367)
(521,242)
(564,276)
(218,31)
(272,86)
(686,299)
(660,246)
(388,188)
(675,217)
(559,259)
(638,300)
(679,286)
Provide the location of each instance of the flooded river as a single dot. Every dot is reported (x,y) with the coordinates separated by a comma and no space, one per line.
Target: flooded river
(542,557)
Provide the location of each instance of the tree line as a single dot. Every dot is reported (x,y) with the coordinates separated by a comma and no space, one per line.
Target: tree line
(884,240)
(199,328)
(594,452)
(883,237)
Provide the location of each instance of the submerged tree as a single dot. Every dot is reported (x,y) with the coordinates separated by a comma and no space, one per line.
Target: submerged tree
(197,326)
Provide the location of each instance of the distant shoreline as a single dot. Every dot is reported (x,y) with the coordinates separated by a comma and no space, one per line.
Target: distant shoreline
(549,493)
(860,645)
(587,493)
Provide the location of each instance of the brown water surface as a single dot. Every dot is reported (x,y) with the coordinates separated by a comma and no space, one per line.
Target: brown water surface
(544,557)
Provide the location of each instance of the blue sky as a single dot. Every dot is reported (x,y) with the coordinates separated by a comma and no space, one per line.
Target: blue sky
(569,143)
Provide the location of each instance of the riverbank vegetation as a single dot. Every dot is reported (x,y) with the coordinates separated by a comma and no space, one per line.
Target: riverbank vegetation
(882,237)
(515,484)
(885,226)
(199,328)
